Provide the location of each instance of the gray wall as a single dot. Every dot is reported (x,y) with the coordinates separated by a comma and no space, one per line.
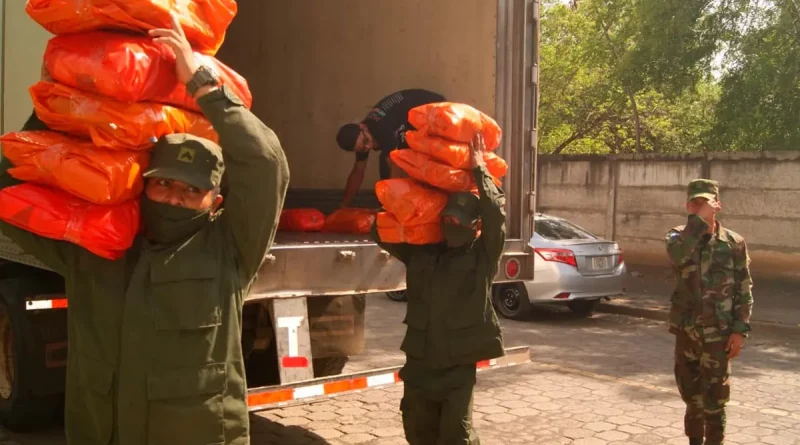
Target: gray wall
(636,199)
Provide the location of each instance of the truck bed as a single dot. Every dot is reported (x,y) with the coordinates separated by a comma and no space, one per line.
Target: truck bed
(294,240)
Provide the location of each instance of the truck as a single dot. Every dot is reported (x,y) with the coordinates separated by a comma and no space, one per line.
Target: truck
(311,66)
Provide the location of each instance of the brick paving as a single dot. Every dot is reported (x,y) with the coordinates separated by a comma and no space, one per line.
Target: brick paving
(606,380)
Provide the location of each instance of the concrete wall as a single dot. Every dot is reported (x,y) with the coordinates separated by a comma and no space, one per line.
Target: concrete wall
(636,199)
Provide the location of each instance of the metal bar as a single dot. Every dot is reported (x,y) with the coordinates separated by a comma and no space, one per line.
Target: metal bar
(260,399)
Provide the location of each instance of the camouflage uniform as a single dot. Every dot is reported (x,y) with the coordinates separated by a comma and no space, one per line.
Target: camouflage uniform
(712,299)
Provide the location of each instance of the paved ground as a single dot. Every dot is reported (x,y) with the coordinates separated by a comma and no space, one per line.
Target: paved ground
(604,380)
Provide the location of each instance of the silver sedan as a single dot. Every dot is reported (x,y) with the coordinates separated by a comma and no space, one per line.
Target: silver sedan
(571,267)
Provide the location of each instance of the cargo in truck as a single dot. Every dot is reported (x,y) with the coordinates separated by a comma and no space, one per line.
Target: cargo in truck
(311,66)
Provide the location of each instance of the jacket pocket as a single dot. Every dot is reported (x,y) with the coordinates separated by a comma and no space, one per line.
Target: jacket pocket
(185,406)
(414,343)
(89,410)
(186,295)
(479,342)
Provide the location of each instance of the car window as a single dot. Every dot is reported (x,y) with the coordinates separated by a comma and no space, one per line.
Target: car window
(559,229)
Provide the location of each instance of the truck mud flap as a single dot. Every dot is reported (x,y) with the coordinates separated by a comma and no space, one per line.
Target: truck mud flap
(260,399)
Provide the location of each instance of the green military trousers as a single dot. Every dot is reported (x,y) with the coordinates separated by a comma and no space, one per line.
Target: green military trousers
(702,370)
(437,404)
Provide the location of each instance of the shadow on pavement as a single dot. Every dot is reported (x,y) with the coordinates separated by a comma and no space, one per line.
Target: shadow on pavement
(266,432)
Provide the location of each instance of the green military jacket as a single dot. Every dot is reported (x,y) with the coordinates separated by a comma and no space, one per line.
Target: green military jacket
(450,318)
(154,338)
(714,284)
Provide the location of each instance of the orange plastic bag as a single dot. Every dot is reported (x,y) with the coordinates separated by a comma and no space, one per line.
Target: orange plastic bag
(204,21)
(410,202)
(426,169)
(112,124)
(392,231)
(454,154)
(106,231)
(301,220)
(129,69)
(75,166)
(350,220)
(456,122)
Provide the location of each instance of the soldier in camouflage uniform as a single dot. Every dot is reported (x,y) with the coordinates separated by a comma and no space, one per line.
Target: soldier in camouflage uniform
(710,311)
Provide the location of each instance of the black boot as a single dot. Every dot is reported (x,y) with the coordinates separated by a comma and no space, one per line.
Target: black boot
(695,441)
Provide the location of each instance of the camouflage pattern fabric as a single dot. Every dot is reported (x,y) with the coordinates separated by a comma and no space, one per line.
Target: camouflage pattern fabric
(714,284)
(702,370)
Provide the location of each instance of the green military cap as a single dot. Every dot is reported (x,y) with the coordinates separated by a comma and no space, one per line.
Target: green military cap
(703,188)
(463,207)
(183,157)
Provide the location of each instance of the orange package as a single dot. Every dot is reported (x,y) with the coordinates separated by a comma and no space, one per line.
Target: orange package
(112,124)
(456,122)
(129,69)
(106,231)
(411,202)
(75,166)
(392,231)
(203,21)
(454,154)
(426,169)
(301,220)
(350,220)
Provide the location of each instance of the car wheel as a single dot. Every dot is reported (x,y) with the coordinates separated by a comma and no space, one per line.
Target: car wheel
(584,308)
(511,300)
(399,295)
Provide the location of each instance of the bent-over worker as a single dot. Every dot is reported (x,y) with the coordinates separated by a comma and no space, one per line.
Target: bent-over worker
(383,130)
(451,323)
(155,351)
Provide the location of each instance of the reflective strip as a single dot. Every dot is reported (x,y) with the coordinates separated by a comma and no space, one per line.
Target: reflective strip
(35,305)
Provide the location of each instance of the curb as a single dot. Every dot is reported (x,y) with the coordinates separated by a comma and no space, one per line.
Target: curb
(662,315)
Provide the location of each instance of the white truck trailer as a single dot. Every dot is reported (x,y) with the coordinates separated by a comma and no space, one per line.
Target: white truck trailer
(312,65)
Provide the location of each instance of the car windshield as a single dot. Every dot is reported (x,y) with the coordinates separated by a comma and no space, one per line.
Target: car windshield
(559,229)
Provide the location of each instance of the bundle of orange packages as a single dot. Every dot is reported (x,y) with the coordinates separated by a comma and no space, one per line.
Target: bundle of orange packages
(111,94)
(438,163)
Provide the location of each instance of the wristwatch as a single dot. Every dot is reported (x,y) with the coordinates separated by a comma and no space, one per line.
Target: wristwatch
(201,78)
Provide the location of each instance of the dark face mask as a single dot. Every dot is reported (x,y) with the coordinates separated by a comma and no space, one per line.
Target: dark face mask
(166,224)
(457,235)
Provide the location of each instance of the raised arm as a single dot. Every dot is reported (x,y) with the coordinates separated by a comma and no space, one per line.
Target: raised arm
(257,175)
(492,203)
(682,243)
(256,168)
(52,253)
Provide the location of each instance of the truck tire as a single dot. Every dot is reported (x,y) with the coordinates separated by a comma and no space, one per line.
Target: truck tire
(20,409)
(329,366)
(511,301)
(397,295)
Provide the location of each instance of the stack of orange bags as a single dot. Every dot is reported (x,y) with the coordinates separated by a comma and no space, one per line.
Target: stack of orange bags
(438,163)
(109,95)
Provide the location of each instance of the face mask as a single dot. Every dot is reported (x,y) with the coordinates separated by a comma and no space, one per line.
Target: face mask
(166,224)
(457,235)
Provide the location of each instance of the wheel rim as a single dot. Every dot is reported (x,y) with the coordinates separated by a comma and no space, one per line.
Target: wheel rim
(509,300)
(6,355)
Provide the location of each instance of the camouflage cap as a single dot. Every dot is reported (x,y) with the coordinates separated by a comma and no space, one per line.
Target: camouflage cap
(463,207)
(183,157)
(703,188)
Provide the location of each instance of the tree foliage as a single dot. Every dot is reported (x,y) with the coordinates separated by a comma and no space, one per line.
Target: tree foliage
(645,75)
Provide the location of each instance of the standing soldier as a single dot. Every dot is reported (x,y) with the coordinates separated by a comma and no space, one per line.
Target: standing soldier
(451,324)
(710,313)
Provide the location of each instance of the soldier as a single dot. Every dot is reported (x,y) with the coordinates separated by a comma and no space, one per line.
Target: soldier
(451,324)
(155,353)
(710,313)
(384,129)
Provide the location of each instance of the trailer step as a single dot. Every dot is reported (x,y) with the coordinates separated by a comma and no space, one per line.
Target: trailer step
(270,397)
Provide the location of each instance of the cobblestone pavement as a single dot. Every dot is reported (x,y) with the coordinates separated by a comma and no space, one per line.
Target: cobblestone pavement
(603,380)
